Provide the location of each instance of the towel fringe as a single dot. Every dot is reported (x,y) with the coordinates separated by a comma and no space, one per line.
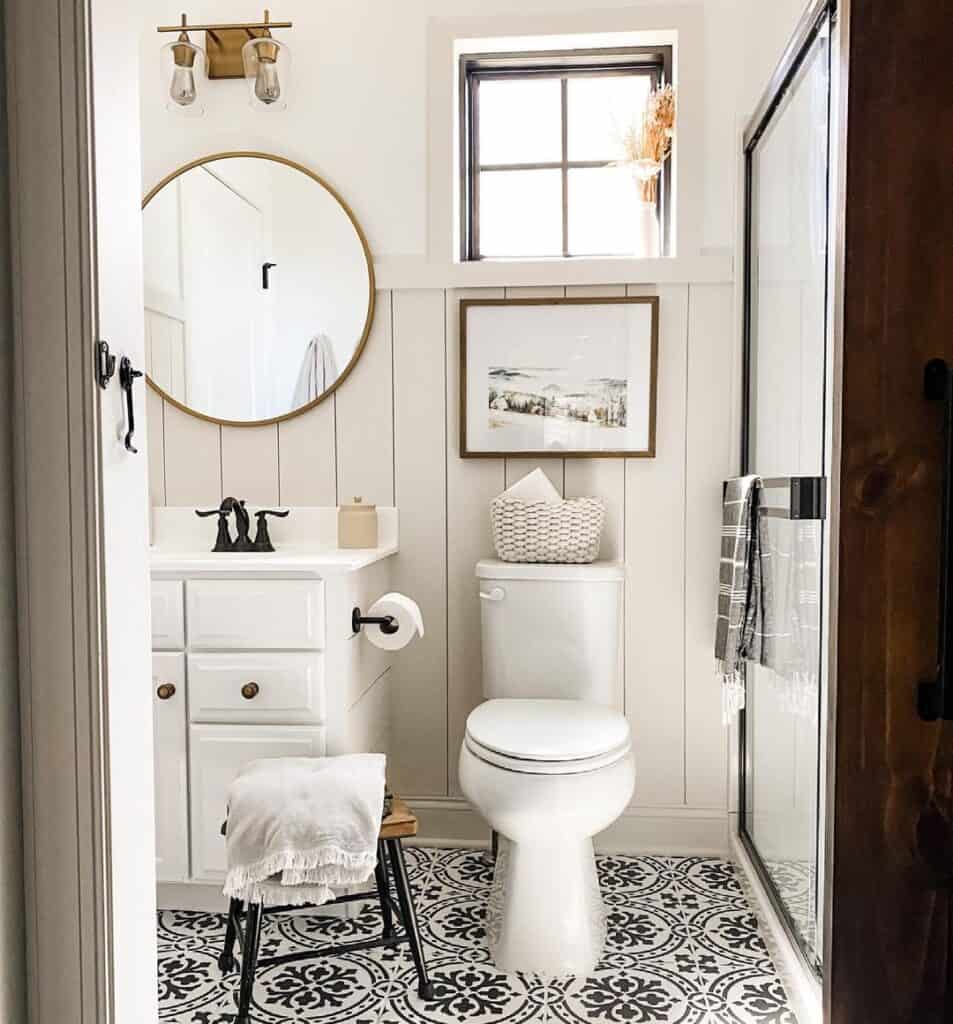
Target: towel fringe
(732,692)
(296,867)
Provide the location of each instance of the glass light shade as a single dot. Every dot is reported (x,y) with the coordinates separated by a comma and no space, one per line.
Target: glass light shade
(267,64)
(181,73)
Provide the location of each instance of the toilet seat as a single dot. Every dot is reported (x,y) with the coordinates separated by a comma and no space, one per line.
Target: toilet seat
(547,737)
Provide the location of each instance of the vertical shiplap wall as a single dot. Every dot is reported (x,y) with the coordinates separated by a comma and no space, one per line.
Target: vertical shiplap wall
(391,435)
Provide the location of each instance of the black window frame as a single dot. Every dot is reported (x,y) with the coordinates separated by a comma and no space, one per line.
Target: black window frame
(474,68)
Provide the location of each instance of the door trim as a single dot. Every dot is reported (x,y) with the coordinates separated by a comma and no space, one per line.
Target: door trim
(58,497)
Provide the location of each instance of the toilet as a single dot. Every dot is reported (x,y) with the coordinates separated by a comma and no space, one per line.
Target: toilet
(547,759)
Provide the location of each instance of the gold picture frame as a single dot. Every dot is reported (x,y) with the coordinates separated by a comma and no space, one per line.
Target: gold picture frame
(469,450)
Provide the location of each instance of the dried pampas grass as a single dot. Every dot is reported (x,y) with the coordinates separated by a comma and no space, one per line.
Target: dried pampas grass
(647,144)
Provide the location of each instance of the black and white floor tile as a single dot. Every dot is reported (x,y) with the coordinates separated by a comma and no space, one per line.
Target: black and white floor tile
(796,883)
(683,947)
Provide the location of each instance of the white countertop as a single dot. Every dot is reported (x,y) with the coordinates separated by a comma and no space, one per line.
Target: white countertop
(305,546)
(289,560)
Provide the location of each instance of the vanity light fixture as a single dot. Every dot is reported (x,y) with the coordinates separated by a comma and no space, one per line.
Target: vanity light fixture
(266,63)
(245,50)
(179,61)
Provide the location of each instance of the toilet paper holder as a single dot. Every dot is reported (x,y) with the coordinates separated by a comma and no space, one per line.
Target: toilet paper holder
(387,623)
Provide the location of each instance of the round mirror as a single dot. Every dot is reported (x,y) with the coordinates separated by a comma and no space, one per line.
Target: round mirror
(259,288)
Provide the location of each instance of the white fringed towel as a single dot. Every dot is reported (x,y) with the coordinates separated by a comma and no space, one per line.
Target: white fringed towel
(301,828)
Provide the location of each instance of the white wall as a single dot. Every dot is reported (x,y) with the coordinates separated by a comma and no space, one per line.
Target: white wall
(359,118)
(767,26)
(358,115)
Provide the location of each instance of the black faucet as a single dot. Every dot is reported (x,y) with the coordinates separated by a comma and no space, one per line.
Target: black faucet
(242,541)
(242,525)
(223,541)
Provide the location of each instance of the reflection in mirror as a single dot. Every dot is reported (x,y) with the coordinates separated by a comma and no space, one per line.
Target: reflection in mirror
(258,288)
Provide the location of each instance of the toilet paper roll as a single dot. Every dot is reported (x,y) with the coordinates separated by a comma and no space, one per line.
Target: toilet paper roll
(406,613)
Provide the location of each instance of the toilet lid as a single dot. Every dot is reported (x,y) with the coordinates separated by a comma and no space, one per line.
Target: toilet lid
(525,766)
(548,730)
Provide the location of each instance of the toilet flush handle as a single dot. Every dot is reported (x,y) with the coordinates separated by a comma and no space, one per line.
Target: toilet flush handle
(495,594)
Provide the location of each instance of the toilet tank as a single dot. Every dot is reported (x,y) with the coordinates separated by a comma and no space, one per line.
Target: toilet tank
(551,630)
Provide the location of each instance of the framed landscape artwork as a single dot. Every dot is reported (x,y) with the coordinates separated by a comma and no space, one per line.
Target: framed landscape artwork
(573,377)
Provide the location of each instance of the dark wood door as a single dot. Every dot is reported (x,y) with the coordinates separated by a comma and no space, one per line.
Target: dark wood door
(891,874)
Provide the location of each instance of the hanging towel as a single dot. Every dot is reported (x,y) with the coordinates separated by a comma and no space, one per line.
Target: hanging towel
(300,828)
(318,371)
(739,588)
(787,630)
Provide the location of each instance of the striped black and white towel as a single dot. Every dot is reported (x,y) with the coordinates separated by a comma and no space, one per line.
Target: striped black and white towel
(787,630)
(739,588)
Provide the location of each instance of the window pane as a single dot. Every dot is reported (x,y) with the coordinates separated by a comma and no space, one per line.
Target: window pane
(521,213)
(602,212)
(520,121)
(599,110)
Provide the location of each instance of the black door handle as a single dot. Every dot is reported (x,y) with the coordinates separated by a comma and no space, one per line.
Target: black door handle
(935,696)
(126,377)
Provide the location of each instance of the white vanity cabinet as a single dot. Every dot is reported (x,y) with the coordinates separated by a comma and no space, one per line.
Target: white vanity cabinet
(251,663)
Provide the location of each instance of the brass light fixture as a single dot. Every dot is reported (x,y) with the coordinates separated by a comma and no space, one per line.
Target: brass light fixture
(179,62)
(246,50)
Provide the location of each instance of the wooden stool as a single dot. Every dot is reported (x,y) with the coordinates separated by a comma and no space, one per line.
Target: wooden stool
(400,824)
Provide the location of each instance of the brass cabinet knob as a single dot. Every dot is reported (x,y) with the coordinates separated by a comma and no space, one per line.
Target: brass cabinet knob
(250,690)
(165,691)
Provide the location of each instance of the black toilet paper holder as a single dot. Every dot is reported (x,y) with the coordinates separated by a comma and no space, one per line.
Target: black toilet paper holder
(387,623)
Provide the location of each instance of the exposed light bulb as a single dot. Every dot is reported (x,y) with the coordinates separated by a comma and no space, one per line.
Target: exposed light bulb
(182,90)
(267,86)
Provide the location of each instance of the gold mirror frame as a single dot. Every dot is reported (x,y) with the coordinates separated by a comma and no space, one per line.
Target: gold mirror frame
(371,298)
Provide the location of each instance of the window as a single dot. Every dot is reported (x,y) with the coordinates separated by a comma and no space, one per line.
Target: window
(540,136)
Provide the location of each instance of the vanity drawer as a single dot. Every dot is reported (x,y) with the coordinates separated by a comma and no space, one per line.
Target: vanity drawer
(168,617)
(261,688)
(255,614)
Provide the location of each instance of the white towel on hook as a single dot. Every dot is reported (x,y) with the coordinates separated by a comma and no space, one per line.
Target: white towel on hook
(300,829)
(319,370)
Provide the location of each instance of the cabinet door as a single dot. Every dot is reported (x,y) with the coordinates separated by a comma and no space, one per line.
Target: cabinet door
(217,754)
(171,767)
(168,616)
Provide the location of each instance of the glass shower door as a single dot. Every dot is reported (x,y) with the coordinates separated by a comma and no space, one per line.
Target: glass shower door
(785,443)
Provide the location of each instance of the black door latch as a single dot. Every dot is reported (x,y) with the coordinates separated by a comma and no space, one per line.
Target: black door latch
(126,377)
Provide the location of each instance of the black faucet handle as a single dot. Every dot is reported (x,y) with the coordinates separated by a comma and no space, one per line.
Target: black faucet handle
(262,538)
(223,540)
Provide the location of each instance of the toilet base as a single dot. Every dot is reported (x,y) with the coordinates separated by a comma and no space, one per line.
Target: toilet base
(545,913)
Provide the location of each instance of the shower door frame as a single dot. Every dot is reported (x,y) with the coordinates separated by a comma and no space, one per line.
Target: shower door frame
(784,75)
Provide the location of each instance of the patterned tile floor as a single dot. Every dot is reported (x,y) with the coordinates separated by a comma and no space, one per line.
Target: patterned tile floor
(796,883)
(683,946)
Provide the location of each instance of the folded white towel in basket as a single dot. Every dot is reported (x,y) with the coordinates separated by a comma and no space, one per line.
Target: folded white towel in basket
(300,828)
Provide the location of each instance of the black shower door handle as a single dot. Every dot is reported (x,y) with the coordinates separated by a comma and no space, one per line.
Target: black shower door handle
(935,696)
(126,377)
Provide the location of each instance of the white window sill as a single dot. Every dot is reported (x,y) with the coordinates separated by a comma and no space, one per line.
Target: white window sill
(710,267)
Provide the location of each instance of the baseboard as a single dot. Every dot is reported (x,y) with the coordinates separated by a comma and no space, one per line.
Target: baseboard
(657,830)
(677,831)
(800,982)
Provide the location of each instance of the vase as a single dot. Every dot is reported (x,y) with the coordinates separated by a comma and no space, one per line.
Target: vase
(647,244)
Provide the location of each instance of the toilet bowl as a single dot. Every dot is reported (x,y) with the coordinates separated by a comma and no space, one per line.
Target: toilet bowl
(547,760)
(546,775)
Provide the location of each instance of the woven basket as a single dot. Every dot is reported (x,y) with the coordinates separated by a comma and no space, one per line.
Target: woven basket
(540,531)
